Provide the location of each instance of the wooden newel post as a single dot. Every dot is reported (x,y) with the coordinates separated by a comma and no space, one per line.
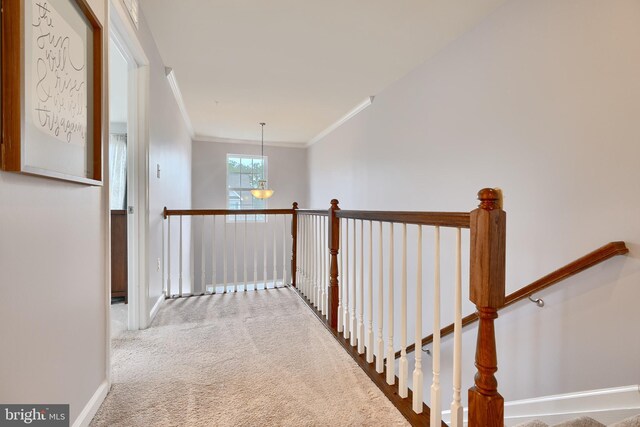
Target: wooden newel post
(334,248)
(487,292)
(294,243)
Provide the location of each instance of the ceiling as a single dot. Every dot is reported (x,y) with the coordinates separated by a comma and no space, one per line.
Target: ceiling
(298,65)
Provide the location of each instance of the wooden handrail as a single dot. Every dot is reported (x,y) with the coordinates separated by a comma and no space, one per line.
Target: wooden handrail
(200,212)
(593,258)
(444,219)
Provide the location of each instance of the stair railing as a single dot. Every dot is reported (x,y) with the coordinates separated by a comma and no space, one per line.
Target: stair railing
(324,258)
(589,260)
(232,250)
(331,278)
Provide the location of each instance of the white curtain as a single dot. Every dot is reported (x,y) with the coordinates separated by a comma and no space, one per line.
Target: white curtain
(118,170)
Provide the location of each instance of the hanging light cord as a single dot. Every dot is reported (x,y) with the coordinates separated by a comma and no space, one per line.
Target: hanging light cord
(262,145)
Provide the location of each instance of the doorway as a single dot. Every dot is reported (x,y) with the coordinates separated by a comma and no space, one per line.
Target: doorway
(118,203)
(133,96)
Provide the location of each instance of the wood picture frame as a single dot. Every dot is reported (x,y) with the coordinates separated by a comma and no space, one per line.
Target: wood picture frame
(52,60)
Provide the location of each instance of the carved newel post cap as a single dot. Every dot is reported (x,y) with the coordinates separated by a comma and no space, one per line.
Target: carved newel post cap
(489,199)
(334,202)
(295,205)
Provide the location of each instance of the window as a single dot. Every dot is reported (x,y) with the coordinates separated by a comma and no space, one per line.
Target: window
(243,174)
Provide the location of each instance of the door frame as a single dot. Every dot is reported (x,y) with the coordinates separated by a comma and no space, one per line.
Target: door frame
(122,32)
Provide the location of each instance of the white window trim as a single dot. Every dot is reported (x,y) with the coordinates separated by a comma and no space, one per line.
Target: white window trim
(250,218)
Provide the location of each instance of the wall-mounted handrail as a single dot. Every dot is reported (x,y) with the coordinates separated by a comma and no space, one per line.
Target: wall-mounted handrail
(591,259)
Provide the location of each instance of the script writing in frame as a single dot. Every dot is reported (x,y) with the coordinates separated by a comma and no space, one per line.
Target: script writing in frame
(52,90)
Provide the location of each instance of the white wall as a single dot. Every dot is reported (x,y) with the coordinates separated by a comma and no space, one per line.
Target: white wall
(541,99)
(170,147)
(53,259)
(53,241)
(287,174)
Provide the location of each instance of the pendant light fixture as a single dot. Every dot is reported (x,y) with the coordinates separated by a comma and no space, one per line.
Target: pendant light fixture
(262,192)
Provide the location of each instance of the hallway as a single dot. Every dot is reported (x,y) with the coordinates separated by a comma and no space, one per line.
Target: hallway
(243,359)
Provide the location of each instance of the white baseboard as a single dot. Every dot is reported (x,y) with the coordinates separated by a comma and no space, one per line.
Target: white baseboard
(156,307)
(608,406)
(90,409)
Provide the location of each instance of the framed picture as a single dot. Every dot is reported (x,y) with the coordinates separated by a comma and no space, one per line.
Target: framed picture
(52,90)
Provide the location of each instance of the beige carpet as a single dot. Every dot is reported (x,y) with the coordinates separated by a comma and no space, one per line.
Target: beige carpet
(247,359)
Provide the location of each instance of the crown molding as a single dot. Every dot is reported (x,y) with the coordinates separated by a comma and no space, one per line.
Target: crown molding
(354,111)
(173,83)
(204,138)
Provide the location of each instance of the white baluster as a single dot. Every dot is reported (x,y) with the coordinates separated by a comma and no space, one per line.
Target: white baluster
(380,342)
(346,280)
(300,253)
(275,253)
(323,245)
(305,256)
(180,278)
(264,255)
(327,265)
(340,283)
(312,270)
(224,256)
(403,388)
(370,300)
(456,405)
(361,339)
(164,256)
(309,293)
(319,249)
(311,259)
(244,254)
(214,276)
(319,260)
(436,407)
(327,279)
(284,250)
(321,264)
(317,263)
(168,295)
(235,253)
(391,367)
(314,260)
(303,253)
(255,252)
(203,265)
(354,300)
(192,255)
(296,274)
(418,379)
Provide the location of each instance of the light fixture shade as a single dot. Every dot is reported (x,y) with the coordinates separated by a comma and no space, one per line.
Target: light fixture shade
(262,192)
